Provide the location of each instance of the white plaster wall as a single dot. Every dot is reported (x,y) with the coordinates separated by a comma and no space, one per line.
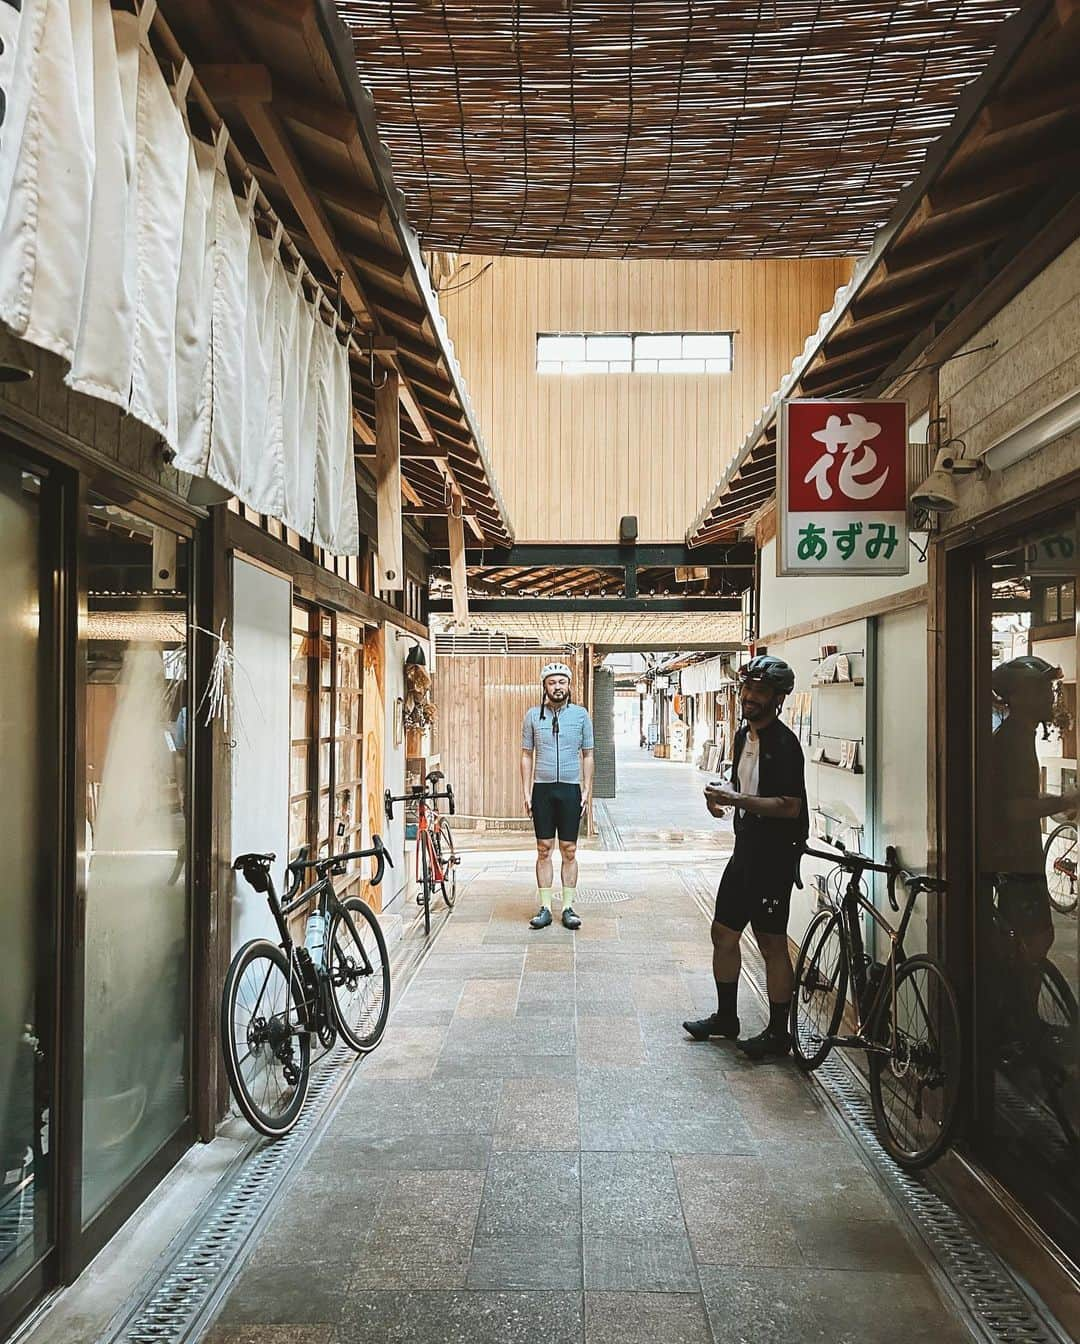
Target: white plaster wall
(900,775)
(262,609)
(1035,363)
(792,600)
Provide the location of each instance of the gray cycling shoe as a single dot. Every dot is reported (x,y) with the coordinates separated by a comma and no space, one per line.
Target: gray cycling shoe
(541,919)
(570,920)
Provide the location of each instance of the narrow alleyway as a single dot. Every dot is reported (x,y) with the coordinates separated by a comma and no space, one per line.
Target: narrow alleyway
(538,1153)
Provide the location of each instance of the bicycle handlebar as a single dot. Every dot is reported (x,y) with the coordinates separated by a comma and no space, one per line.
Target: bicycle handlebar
(389,799)
(853,862)
(256,867)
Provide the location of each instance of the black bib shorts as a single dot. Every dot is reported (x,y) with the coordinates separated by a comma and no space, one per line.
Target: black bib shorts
(755,887)
(556,810)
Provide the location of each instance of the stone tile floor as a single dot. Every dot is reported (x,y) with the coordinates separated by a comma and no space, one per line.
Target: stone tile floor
(537,1152)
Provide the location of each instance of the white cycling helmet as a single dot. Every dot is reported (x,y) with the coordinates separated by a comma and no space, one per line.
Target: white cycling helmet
(556,670)
(552,670)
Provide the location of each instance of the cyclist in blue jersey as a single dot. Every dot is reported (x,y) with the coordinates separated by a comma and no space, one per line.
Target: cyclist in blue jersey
(556,782)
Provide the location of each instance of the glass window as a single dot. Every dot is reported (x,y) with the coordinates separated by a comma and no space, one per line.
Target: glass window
(658,347)
(26,1032)
(1026,910)
(634,352)
(138,739)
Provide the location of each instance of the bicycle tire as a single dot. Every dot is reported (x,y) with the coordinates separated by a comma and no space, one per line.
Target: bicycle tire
(939,1055)
(804,1032)
(427,886)
(341,962)
(443,839)
(1057,1009)
(274,1123)
(1066,902)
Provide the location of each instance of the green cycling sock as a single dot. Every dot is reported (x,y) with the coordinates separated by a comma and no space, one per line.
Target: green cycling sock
(545,897)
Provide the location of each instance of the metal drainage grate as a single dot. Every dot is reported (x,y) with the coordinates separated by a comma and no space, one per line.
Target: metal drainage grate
(600,896)
(980,1284)
(193,1284)
(983,1284)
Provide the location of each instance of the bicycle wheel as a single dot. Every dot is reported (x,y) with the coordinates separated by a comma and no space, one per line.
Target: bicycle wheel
(1059,859)
(915,1081)
(267,1051)
(427,886)
(361,999)
(443,840)
(821,976)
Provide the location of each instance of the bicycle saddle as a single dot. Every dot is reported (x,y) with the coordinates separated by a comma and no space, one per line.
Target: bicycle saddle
(435,776)
(250,860)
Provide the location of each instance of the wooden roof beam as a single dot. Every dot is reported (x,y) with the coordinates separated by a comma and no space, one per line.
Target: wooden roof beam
(975,185)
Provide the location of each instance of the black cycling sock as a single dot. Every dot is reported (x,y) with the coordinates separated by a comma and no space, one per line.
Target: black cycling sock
(727,1004)
(779,1014)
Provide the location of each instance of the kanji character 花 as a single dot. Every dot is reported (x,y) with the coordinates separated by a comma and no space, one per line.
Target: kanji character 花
(850,445)
(812,543)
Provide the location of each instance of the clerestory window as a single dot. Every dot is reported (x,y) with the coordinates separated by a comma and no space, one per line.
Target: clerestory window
(634,352)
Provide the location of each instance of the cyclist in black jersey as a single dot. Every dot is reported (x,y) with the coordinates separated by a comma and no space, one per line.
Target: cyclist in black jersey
(768,793)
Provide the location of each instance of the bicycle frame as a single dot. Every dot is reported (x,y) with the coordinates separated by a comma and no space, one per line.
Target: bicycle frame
(425,816)
(851,903)
(312,978)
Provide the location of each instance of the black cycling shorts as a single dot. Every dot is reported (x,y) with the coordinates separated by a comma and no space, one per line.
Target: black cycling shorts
(755,888)
(556,809)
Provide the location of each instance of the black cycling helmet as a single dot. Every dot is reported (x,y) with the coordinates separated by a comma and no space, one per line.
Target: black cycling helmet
(774,671)
(1008,677)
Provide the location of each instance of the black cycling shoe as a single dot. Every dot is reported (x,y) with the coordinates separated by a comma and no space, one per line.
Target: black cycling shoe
(570,920)
(541,919)
(714,1025)
(768,1043)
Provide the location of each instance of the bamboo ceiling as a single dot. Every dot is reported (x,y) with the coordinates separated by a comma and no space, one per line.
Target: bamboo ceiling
(617,128)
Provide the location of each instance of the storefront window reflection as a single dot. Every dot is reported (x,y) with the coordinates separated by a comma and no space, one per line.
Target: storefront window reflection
(25,897)
(138,731)
(1027,915)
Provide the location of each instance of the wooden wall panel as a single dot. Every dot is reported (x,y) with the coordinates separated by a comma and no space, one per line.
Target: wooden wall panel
(572,454)
(482,702)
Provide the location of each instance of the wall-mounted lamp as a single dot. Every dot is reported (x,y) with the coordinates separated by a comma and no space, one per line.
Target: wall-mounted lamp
(14,366)
(937,494)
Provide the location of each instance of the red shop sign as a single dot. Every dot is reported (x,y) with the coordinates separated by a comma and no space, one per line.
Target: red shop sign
(843,488)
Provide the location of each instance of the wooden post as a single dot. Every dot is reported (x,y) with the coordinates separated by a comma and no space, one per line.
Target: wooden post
(391,560)
(456,531)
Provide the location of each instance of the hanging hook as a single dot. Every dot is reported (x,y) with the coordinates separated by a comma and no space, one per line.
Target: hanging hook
(371,362)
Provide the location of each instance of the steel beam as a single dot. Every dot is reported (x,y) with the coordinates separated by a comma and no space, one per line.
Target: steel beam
(671,606)
(664,555)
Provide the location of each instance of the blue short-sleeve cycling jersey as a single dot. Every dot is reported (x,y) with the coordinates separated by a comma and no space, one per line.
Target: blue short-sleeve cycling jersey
(557,741)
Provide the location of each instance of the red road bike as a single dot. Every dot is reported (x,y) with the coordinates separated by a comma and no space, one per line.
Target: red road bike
(436,857)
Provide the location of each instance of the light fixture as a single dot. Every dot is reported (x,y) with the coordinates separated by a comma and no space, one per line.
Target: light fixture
(14,367)
(1034,433)
(204,492)
(937,494)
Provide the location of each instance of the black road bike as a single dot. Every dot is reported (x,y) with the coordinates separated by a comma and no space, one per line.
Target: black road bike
(277,997)
(903,1010)
(436,858)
